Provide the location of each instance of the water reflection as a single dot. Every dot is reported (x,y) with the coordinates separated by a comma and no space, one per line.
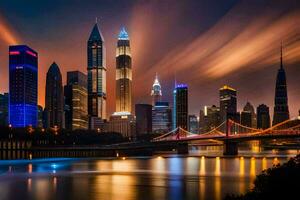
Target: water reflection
(134,178)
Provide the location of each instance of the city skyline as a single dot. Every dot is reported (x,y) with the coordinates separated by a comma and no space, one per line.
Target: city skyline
(266,62)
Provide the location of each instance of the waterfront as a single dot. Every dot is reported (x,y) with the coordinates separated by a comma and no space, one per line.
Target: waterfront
(201,175)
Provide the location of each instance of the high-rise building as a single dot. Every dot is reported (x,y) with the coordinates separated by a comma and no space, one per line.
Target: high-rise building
(212,117)
(228,103)
(54,99)
(181,106)
(193,124)
(23,76)
(143,113)
(123,74)
(174,124)
(161,118)
(40,117)
(201,121)
(76,116)
(156,91)
(96,78)
(249,108)
(122,123)
(246,118)
(281,108)
(263,117)
(4,109)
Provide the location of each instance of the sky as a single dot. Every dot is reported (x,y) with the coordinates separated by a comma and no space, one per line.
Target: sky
(203,43)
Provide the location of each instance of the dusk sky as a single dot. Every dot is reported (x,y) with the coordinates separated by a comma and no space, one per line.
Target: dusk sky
(203,43)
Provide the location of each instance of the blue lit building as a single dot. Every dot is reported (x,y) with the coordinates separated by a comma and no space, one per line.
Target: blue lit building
(161,118)
(23,76)
(180,114)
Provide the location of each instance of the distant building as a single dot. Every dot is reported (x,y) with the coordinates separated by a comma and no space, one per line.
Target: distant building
(161,118)
(246,118)
(249,108)
(123,123)
(143,113)
(228,103)
(193,124)
(23,76)
(54,99)
(123,74)
(75,91)
(263,117)
(40,117)
(211,118)
(4,109)
(156,91)
(181,106)
(96,78)
(281,108)
(201,122)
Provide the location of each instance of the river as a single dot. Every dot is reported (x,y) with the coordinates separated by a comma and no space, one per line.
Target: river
(203,174)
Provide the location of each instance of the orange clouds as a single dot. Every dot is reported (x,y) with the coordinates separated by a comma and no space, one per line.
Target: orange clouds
(6,34)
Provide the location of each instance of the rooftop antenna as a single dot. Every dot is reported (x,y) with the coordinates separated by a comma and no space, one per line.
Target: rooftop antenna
(96,20)
(281,63)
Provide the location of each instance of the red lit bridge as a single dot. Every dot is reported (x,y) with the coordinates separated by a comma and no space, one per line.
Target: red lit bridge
(231,132)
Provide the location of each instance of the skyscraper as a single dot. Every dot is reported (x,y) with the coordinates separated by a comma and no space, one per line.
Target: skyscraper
(249,108)
(123,74)
(263,117)
(96,78)
(246,118)
(75,91)
(23,76)
(156,91)
(161,118)
(228,103)
(211,118)
(181,106)
(143,114)
(54,103)
(281,108)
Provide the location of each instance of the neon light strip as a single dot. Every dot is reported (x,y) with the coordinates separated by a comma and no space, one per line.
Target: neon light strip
(14,53)
(31,53)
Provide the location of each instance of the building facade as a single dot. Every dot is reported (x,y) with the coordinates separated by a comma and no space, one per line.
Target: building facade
(193,124)
(263,117)
(181,106)
(54,99)
(246,118)
(211,118)
(249,108)
(23,90)
(228,103)
(143,113)
(156,93)
(281,108)
(96,78)
(161,118)
(122,123)
(76,110)
(4,109)
(123,74)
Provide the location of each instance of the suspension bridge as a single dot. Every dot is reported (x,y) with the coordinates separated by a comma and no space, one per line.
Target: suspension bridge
(231,132)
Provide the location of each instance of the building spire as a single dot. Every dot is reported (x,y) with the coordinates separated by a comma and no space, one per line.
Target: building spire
(96,20)
(281,62)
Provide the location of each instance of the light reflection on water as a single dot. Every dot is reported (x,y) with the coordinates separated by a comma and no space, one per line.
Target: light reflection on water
(160,177)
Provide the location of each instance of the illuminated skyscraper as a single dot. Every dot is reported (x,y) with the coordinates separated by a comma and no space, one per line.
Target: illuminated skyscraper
(281,108)
(123,74)
(76,101)
(54,99)
(228,103)
(161,118)
(96,77)
(23,76)
(156,91)
(181,106)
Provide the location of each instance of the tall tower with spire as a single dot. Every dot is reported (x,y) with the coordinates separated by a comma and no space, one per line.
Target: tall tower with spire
(123,74)
(156,91)
(281,109)
(96,68)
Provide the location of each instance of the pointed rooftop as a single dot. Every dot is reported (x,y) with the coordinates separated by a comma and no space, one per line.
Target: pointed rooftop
(123,35)
(281,62)
(156,81)
(54,69)
(96,34)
